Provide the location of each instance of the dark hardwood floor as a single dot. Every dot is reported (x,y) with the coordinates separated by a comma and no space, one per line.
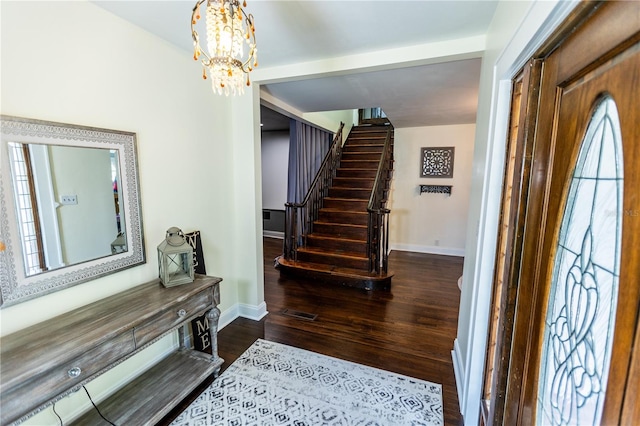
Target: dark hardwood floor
(408,330)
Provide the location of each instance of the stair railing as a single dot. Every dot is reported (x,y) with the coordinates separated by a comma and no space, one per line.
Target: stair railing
(378,224)
(299,217)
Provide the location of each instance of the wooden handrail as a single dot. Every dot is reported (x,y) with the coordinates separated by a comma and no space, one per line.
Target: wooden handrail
(378,224)
(382,168)
(299,217)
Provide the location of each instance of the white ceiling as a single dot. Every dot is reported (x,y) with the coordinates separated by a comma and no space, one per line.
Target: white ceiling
(289,32)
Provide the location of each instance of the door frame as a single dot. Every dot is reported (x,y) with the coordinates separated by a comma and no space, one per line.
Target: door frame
(536,27)
(511,362)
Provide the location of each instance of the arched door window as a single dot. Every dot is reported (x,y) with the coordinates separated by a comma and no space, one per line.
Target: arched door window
(580,318)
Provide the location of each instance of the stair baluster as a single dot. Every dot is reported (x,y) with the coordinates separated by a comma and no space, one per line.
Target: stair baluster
(378,225)
(299,217)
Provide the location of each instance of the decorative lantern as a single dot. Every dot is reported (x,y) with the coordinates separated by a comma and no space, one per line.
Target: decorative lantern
(119,245)
(175,259)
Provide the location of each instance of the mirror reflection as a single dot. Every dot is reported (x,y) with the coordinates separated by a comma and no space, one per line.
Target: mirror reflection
(68,203)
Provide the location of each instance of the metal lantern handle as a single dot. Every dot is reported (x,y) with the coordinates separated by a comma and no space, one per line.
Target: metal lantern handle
(175,237)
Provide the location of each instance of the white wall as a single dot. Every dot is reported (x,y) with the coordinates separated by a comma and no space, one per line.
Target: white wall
(326,120)
(517,29)
(330,120)
(275,167)
(73,62)
(430,223)
(88,227)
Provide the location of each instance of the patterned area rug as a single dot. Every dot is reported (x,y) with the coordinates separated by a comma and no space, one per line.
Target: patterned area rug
(276,384)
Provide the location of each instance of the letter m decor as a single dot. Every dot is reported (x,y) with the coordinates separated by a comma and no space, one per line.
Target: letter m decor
(201,336)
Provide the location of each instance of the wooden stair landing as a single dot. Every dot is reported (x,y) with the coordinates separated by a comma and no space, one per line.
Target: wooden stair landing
(349,277)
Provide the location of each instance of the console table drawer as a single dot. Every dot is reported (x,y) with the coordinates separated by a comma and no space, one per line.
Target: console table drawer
(173,317)
(44,387)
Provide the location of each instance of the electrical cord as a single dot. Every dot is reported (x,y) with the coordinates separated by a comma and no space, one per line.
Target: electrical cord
(96,407)
(57,415)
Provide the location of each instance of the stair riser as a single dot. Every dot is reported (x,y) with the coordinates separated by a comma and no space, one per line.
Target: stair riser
(340,231)
(352,183)
(361,131)
(350,164)
(352,205)
(361,156)
(343,217)
(362,148)
(368,131)
(361,194)
(338,261)
(366,141)
(338,246)
(357,173)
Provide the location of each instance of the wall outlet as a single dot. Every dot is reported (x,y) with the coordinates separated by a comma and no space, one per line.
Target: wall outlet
(437,242)
(68,199)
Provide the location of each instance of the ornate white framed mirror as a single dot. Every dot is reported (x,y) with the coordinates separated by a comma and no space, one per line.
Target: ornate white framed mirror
(70,206)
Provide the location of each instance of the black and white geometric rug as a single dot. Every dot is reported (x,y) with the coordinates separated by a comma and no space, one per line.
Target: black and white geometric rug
(276,384)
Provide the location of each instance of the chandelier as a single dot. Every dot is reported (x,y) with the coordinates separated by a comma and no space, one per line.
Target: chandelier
(229,28)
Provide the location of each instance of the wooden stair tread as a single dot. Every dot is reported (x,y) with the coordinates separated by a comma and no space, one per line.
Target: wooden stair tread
(334,238)
(321,222)
(339,275)
(332,253)
(361,153)
(344,163)
(343,199)
(321,267)
(330,210)
(374,143)
(353,188)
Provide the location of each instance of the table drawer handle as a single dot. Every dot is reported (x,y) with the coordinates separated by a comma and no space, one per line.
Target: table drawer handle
(182,313)
(74,372)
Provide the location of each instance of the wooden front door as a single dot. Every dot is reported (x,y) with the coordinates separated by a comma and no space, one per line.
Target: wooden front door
(574,356)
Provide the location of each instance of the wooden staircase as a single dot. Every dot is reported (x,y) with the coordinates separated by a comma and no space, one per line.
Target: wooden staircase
(337,248)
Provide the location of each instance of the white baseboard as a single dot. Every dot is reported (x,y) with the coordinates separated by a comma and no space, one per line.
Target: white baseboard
(458,371)
(273,234)
(447,251)
(227,316)
(251,312)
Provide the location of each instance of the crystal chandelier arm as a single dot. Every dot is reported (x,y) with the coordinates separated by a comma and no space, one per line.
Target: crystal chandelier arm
(195,16)
(251,40)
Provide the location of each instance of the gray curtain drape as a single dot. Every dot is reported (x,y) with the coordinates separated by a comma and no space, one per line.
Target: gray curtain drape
(307,147)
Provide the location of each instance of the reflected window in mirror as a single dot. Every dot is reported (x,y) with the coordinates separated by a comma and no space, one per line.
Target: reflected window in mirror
(27,208)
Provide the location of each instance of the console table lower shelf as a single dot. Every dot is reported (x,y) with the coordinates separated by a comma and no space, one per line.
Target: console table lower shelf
(44,363)
(151,396)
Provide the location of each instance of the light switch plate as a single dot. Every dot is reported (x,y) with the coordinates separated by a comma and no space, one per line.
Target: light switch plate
(68,199)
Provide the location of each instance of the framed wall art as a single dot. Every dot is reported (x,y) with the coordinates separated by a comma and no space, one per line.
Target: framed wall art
(437,162)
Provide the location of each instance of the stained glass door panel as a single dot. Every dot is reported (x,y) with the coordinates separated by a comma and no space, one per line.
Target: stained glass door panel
(580,317)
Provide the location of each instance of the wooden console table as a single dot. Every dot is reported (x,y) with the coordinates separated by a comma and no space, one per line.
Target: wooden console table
(45,362)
